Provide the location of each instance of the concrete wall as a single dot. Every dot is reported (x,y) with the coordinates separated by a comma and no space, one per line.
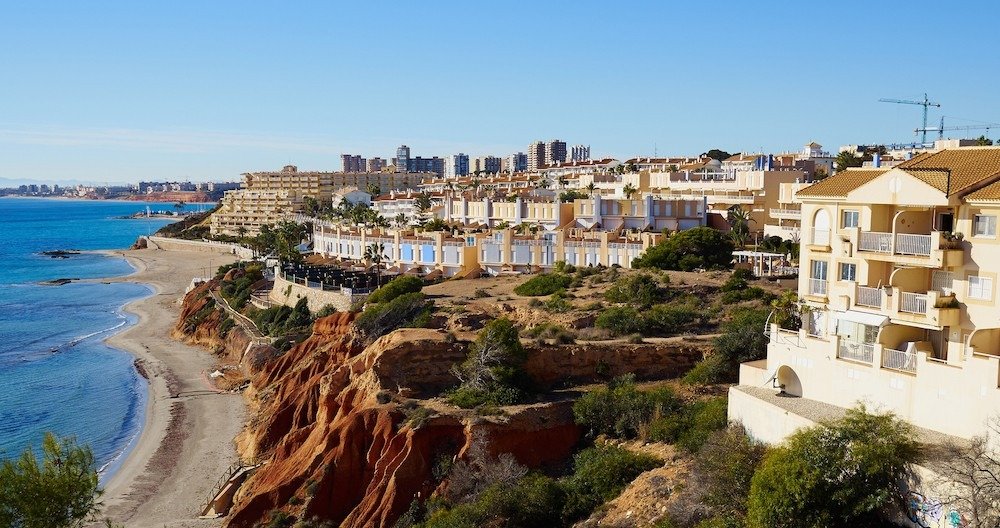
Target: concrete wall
(177,244)
(289,293)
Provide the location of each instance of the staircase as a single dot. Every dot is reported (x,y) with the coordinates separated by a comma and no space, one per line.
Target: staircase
(221,498)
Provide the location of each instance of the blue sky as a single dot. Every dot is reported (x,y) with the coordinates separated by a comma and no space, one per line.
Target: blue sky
(122,91)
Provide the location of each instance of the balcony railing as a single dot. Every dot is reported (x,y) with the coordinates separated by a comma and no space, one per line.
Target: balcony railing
(856,351)
(874,241)
(905,243)
(786,213)
(870,297)
(817,287)
(821,237)
(915,303)
(899,360)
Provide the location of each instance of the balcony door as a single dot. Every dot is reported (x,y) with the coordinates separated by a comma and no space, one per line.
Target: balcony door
(818,269)
(945,222)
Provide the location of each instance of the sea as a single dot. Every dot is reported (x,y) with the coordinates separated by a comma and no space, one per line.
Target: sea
(56,373)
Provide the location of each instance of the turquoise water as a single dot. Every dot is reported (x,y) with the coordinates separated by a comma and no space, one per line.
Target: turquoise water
(56,373)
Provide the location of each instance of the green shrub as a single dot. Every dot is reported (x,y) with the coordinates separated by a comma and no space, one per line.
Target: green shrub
(493,371)
(840,474)
(744,336)
(620,320)
(640,290)
(558,303)
(599,475)
(669,319)
(534,501)
(408,310)
(326,310)
(544,284)
(562,267)
(691,425)
(400,285)
(620,409)
(481,293)
(700,247)
(710,370)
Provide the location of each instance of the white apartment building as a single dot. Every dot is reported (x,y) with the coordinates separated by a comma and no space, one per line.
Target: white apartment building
(898,312)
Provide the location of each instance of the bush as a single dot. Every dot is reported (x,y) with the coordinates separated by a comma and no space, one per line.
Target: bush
(840,474)
(599,475)
(640,290)
(408,310)
(669,319)
(744,337)
(401,285)
(552,331)
(620,320)
(710,370)
(691,425)
(723,470)
(492,373)
(544,284)
(700,247)
(558,303)
(534,501)
(620,410)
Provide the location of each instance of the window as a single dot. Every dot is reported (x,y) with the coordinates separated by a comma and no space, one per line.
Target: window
(848,272)
(980,288)
(984,226)
(819,269)
(851,218)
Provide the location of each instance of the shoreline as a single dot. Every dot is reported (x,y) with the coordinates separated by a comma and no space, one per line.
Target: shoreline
(189,427)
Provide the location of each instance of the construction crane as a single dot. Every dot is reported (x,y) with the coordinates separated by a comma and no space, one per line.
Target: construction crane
(941,128)
(926,103)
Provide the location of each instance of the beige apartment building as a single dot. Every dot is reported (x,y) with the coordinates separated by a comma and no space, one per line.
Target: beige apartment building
(267,197)
(899,311)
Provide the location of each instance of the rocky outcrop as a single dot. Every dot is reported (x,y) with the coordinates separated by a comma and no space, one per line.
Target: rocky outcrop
(346,445)
(552,366)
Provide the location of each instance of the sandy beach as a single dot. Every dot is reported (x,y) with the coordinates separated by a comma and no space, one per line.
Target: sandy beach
(187,440)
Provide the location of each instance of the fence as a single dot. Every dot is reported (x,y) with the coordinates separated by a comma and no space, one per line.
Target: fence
(863,352)
(899,360)
(913,244)
(915,303)
(870,297)
(875,241)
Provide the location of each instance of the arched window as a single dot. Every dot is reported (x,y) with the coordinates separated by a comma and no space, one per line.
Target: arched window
(821,228)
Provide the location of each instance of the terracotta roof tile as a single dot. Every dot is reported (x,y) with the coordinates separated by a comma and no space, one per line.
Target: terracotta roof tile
(838,185)
(968,167)
(990,193)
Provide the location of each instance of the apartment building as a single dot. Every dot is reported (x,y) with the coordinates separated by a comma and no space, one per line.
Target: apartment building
(646,213)
(898,311)
(376,164)
(266,197)
(546,214)
(395,203)
(484,165)
(749,181)
(555,152)
(457,254)
(517,162)
(536,155)
(785,220)
(456,165)
(579,153)
(353,163)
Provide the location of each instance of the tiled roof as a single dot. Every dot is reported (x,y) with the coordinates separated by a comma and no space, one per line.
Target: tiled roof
(743,157)
(968,167)
(990,193)
(838,185)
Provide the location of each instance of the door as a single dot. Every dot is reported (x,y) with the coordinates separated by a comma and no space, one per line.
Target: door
(946,222)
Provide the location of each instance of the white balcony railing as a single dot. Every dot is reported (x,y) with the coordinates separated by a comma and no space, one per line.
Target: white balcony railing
(786,213)
(821,237)
(899,360)
(915,303)
(870,297)
(817,287)
(864,352)
(907,244)
(875,241)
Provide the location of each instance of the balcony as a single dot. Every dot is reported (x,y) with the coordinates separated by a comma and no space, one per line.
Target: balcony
(930,250)
(869,297)
(817,287)
(899,360)
(786,214)
(914,303)
(862,352)
(820,237)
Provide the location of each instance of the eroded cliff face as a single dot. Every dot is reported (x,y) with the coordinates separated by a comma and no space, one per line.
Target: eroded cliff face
(333,415)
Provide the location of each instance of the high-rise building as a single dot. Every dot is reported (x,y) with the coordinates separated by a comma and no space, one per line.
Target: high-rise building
(484,164)
(555,152)
(376,165)
(579,153)
(419,164)
(536,155)
(402,158)
(517,162)
(456,165)
(353,163)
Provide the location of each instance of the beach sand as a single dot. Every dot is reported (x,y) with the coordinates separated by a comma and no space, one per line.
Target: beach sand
(187,440)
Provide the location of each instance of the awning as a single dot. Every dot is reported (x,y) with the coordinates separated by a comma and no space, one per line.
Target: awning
(864,318)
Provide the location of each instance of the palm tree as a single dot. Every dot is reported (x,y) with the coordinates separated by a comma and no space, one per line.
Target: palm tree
(544,183)
(374,255)
(562,182)
(629,190)
(373,189)
(590,188)
(739,223)
(400,219)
